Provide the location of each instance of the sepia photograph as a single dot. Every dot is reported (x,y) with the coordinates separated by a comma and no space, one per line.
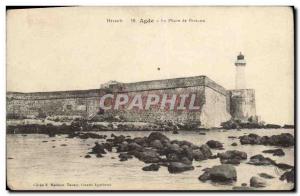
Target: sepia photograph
(150,98)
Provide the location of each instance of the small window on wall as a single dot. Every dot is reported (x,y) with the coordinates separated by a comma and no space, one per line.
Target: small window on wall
(69,107)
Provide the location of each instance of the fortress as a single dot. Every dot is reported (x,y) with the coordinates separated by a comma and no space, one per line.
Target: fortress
(213,104)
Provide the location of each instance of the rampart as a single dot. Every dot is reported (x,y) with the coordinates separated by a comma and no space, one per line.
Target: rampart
(212,99)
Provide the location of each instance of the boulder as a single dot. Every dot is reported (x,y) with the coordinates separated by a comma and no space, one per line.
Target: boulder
(284,139)
(98,149)
(125,156)
(205,176)
(205,151)
(198,155)
(284,166)
(156,144)
(140,141)
(261,160)
(233,154)
(272,126)
(186,161)
(289,176)
(250,139)
(234,144)
(275,152)
(134,146)
(223,173)
(288,126)
(148,156)
(173,148)
(156,136)
(230,161)
(214,144)
(172,157)
(123,147)
(267,176)
(152,167)
(177,167)
(257,182)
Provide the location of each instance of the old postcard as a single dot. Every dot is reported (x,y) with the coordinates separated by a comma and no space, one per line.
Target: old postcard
(150,98)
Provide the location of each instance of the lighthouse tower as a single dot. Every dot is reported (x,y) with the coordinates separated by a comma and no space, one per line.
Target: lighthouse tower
(242,99)
(240,79)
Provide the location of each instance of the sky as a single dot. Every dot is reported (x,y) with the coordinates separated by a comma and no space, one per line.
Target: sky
(76,48)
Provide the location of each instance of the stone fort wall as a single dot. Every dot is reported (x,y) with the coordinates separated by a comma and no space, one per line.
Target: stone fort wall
(213,99)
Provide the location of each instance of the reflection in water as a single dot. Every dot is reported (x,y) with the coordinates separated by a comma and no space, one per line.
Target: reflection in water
(36,164)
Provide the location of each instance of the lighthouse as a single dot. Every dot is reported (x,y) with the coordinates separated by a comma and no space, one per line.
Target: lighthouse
(242,99)
(240,79)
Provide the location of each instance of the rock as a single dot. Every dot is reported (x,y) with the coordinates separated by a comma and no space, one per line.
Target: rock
(205,151)
(234,144)
(134,146)
(140,141)
(204,177)
(87,156)
(214,144)
(202,133)
(261,160)
(98,149)
(108,146)
(198,155)
(156,144)
(231,137)
(123,147)
(175,132)
(288,127)
(173,148)
(257,182)
(152,167)
(244,184)
(148,156)
(172,157)
(177,167)
(233,154)
(44,141)
(272,126)
(99,155)
(250,139)
(275,152)
(63,145)
(289,176)
(284,139)
(230,161)
(223,173)
(156,136)
(125,156)
(267,176)
(284,166)
(186,161)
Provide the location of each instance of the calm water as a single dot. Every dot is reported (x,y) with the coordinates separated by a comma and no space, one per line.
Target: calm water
(34,164)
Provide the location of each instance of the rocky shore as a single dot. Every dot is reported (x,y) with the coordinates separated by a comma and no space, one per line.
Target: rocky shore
(156,150)
(53,126)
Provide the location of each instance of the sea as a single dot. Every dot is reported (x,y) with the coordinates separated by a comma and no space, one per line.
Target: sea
(40,162)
